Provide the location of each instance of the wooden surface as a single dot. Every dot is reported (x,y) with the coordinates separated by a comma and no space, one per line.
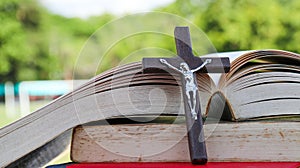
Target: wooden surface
(245,141)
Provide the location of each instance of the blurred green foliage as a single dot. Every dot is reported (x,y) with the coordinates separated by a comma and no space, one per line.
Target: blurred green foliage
(245,24)
(35,44)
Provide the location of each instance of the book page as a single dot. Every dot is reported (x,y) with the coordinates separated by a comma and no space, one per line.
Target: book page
(263,83)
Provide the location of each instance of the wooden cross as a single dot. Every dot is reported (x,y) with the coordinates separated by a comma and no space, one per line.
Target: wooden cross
(186,64)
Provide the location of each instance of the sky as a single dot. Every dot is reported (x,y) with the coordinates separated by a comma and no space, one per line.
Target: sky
(87,8)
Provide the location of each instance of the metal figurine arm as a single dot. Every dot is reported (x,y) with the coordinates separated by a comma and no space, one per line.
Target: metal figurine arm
(163,61)
(207,61)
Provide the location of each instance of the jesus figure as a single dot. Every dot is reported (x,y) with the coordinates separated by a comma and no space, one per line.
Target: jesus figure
(190,83)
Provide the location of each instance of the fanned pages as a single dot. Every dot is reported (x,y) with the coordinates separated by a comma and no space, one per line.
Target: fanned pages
(262,84)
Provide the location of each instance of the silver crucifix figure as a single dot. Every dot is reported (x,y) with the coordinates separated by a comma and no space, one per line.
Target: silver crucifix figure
(190,84)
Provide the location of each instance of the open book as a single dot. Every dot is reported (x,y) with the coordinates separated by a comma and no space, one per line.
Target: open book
(260,84)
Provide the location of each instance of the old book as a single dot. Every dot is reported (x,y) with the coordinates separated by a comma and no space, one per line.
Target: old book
(258,141)
(260,84)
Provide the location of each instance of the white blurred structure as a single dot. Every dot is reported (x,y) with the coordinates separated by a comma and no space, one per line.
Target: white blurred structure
(43,88)
(10,108)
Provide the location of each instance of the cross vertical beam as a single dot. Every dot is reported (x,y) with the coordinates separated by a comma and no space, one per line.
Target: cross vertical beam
(186,64)
(197,147)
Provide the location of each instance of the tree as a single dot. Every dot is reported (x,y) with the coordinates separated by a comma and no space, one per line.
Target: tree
(13,44)
(245,24)
(35,44)
(23,43)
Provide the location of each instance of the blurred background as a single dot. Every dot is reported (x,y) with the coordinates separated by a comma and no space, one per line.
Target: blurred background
(40,40)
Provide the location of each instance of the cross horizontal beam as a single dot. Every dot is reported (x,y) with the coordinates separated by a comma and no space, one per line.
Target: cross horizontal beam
(217,65)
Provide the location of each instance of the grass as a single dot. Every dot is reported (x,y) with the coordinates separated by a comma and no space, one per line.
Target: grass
(34,105)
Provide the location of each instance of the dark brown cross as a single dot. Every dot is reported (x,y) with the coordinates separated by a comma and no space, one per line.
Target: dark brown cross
(186,64)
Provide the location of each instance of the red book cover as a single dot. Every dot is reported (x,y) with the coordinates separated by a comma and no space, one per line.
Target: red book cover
(182,165)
